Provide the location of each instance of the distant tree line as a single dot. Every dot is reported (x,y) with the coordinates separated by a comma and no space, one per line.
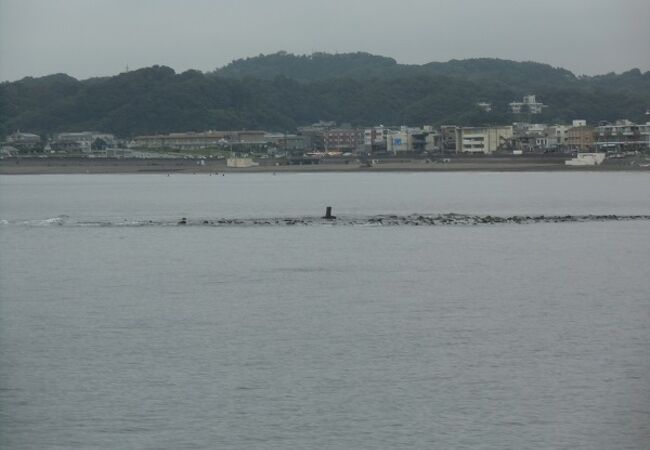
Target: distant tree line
(283,91)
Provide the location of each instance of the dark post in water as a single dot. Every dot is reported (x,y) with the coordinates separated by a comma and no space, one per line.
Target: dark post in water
(328,213)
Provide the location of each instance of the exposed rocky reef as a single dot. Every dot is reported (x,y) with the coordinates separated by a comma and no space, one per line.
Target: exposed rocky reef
(413,220)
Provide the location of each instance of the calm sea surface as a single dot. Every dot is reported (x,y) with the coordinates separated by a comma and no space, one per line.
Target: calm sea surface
(129,335)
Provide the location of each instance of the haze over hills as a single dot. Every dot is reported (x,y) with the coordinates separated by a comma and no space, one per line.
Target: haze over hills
(282,91)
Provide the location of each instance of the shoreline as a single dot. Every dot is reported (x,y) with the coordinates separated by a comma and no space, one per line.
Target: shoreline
(43,166)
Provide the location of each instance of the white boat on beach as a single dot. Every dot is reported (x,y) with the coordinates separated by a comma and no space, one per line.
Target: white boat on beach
(586,159)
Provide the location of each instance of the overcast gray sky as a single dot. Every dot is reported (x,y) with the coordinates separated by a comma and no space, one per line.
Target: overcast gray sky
(87,38)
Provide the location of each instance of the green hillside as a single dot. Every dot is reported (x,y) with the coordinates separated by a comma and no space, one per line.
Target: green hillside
(282,91)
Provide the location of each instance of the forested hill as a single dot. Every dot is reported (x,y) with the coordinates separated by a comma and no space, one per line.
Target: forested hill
(364,66)
(282,91)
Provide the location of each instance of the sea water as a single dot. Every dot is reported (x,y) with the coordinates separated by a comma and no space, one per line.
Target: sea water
(119,332)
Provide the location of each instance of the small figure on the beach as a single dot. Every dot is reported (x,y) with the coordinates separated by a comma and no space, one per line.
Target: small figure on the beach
(183,221)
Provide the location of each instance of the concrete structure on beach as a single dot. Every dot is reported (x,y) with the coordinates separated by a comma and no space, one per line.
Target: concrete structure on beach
(240,163)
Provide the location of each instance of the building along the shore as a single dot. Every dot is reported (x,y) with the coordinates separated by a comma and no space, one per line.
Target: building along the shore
(409,139)
(484,140)
(82,141)
(375,139)
(343,139)
(580,138)
(448,138)
(622,136)
(555,137)
(24,142)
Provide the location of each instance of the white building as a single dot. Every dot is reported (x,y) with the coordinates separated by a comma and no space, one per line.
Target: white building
(398,140)
(408,139)
(556,136)
(586,159)
(375,137)
(484,106)
(82,140)
(529,104)
(24,141)
(482,139)
(240,163)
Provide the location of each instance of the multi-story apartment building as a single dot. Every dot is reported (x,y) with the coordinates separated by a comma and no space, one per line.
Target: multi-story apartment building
(623,135)
(485,140)
(376,138)
(426,140)
(580,138)
(183,141)
(555,137)
(529,104)
(194,141)
(314,136)
(529,137)
(83,141)
(343,138)
(291,143)
(448,138)
(413,140)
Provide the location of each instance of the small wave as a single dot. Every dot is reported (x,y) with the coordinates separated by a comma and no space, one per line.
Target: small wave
(58,220)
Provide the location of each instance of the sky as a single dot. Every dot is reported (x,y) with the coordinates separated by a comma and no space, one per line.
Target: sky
(87,38)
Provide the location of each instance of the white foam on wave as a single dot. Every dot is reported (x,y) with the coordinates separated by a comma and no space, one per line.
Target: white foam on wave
(58,220)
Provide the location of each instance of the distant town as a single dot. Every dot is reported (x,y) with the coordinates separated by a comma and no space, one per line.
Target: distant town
(324,141)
